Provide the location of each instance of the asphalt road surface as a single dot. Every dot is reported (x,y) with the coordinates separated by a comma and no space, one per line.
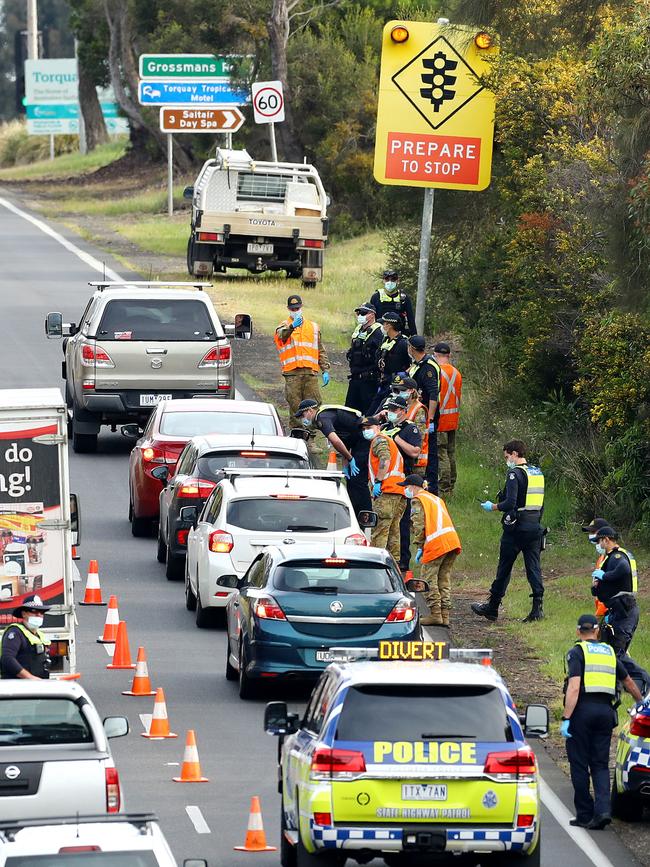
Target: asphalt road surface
(39,274)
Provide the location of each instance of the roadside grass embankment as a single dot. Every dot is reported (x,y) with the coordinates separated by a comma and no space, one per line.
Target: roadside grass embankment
(63,166)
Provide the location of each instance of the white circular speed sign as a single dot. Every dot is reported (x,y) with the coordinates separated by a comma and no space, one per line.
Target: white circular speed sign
(268,102)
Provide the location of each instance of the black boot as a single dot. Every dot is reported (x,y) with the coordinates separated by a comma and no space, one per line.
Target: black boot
(489,609)
(536,612)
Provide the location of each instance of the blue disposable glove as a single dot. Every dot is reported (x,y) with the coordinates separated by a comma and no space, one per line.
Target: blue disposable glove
(432,427)
(606,618)
(564,728)
(346,471)
(418,555)
(597,574)
(487,505)
(353,468)
(297,322)
(326,377)
(376,489)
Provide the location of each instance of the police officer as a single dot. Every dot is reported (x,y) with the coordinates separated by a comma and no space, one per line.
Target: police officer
(362,358)
(425,370)
(341,426)
(302,356)
(393,357)
(522,505)
(385,472)
(615,585)
(451,386)
(391,300)
(592,671)
(24,654)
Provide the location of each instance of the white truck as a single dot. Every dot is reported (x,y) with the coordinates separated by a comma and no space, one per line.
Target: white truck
(259,216)
(39,518)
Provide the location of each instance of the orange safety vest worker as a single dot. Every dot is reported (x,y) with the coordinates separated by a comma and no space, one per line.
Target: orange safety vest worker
(301,349)
(440,536)
(451,384)
(395,474)
(411,412)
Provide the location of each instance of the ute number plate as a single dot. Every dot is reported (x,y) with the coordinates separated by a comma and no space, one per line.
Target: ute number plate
(260,249)
(153,399)
(324,656)
(424,792)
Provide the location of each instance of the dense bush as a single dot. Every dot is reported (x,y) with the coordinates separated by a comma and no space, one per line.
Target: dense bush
(18,148)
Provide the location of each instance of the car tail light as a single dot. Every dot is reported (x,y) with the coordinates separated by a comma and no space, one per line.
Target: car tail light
(154,455)
(88,384)
(318,244)
(288,496)
(195,488)
(58,648)
(112,791)
(95,356)
(640,726)
(356,539)
(181,536)
(403,612)
(511,764)
(327,763)
(322,818)
(266,608)
(525,820)
(216,356)
(220,542)
(210,236)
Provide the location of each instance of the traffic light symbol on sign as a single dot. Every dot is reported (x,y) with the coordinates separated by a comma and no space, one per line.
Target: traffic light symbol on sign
(439,80)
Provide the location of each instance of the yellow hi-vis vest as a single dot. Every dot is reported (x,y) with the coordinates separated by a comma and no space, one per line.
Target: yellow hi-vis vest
(33,637)
(535,490)
(360,334)
(600,667)
(301,349)
(633,567)
(338,406)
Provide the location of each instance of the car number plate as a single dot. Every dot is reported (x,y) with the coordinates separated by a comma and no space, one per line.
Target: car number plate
(261,249)
(324,656)
(153,399)
(424,792)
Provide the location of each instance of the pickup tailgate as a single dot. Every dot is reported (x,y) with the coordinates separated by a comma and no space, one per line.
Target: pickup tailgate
(38,789)
(154,366)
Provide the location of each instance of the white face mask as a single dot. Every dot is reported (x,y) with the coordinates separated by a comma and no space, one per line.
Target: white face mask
(383,331)
(408,493)
(35,622)
(368,433)
(511,464)
(361,319)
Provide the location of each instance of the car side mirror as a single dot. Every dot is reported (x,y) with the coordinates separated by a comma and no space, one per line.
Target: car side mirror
(188,193)
(75,520)
(161,473)
(189,515)
(367,520)
(536,721)
(415,585)
(243,326)
(54,326)
(131,431)
(116,726)
(231,581)
(278,720)
(299,433)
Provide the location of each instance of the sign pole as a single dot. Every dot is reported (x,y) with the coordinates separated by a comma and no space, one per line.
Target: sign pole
(423,266)
(170,175)
(274,148)
(32,30)
(51,146)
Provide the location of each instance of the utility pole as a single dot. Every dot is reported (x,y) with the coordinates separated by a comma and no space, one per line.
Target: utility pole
(32,30)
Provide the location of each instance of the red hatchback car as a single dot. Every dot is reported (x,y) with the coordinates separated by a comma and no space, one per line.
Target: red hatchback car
(170,426)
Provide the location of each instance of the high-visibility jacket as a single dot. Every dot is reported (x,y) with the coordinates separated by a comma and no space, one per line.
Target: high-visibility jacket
(451,384)
(633,567)
(36,661)
(535,491)
(440,535)
(411,412)
(600,667)
(301,349)
(395,474)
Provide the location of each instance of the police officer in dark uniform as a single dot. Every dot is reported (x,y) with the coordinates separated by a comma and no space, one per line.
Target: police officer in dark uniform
(592,671)
(393,357)
(391,300)
(522,506)
(425,370)
(341,426)
(24,654)
(615,585)
(362,358)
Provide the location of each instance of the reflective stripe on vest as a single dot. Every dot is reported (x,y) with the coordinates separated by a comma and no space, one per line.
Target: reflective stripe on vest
(440,533)
(359,334)
(633,568)
(449,397)
(33,637)
(600,667)
(301,349)
(388,344)
(395,474)
(411,412)
(337,406)
(535,489)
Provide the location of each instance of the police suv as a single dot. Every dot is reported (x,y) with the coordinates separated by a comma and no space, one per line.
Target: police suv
(398,758)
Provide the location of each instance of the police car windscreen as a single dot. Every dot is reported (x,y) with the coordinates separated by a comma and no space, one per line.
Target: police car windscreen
(271,515)
(316,578)
(124,858)
(194,424)
(377,713)
(156,319)
(38,721)
(209,466)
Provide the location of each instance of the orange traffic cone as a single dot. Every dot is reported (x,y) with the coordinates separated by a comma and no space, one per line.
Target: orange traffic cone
(121,654)
(331,460)
(141,684)
(255,836)
(159,727)
(109,635)
(191,770)
(93,594)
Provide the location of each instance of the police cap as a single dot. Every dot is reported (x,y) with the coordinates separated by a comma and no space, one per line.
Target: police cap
(294,302)
(403,381)
(595,525)
(393,319)
(307,403)
(587,622)
(397,402)
(442,348)
(607,533)
(413,479)
(390,274)
(417,342)
(365,308)
(31,603)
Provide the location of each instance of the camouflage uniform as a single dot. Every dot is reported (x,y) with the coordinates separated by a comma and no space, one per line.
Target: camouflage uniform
(437,572)
(389,509)
(301,383)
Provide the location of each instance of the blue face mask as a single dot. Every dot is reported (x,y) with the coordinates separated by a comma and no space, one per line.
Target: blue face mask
(408,493)
(368,433)
(390,286)
(511,464)
(391,416)
(405,394)
(306,422)
(600,549)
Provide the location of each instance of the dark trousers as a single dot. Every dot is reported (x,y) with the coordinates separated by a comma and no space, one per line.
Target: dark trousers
(623,617)
(639,675)
(361,393)
(524,540)
(358,489)
(405,538)
(431,473)
(588,753)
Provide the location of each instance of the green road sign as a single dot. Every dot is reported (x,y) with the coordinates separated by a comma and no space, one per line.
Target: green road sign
(181,66)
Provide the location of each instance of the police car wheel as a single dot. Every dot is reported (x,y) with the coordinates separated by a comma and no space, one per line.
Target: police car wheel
(287,851)
(625,805)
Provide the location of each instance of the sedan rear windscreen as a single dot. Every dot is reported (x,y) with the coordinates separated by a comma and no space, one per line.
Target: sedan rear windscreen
(79,858)
(377,713)
(38,721)
(194,424)
(156,319)
(208,466)
(271,515)
(354,578)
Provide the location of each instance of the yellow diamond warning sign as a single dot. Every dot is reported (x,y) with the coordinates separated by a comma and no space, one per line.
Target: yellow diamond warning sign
(435,120)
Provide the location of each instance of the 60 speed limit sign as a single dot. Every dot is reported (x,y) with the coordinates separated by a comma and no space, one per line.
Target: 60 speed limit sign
(268,102)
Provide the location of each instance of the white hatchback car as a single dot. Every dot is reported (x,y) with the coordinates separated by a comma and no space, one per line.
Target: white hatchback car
(251,509)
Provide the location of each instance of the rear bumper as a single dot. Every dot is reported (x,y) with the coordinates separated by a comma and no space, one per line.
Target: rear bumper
(638,782)
(120,405)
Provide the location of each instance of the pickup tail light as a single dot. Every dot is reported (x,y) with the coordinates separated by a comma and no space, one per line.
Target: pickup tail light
(356,539)
(216,356)
(95,356)
(314,244)
(112,791)
(640,726)
(220,542)
(209,236)
(196,488)
(266,608)
(327,763)
(403,612)
(511,764)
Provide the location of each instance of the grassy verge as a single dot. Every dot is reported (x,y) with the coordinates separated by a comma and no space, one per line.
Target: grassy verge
(67,165)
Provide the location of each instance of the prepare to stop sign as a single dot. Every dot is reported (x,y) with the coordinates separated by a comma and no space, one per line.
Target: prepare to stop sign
(268,101)
(455,159)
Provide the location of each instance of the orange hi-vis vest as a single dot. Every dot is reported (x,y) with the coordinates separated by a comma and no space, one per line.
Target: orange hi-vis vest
(411,412)
(301,349)
(451,384)
(395,474)
(440,536)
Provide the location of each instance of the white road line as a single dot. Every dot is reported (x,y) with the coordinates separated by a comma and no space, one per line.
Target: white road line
(196,817)
(579,836)
(110,649)
(145,719)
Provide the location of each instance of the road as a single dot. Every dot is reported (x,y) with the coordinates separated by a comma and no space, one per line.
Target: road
(38,274)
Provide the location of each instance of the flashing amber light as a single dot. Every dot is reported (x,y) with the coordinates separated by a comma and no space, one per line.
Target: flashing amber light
(483,40)
(399,34)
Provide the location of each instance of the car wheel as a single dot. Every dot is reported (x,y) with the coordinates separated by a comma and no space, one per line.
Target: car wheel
(161,553)
(231,673)
(247,687)
(140,527)
(287,851)
(307,859)
(190,598)
(84,444)
(625,805)
(175,566)
(205,617)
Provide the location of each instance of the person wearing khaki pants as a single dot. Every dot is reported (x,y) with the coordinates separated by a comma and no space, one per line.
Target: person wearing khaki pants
(438,546)
(451,386)
(385,472)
